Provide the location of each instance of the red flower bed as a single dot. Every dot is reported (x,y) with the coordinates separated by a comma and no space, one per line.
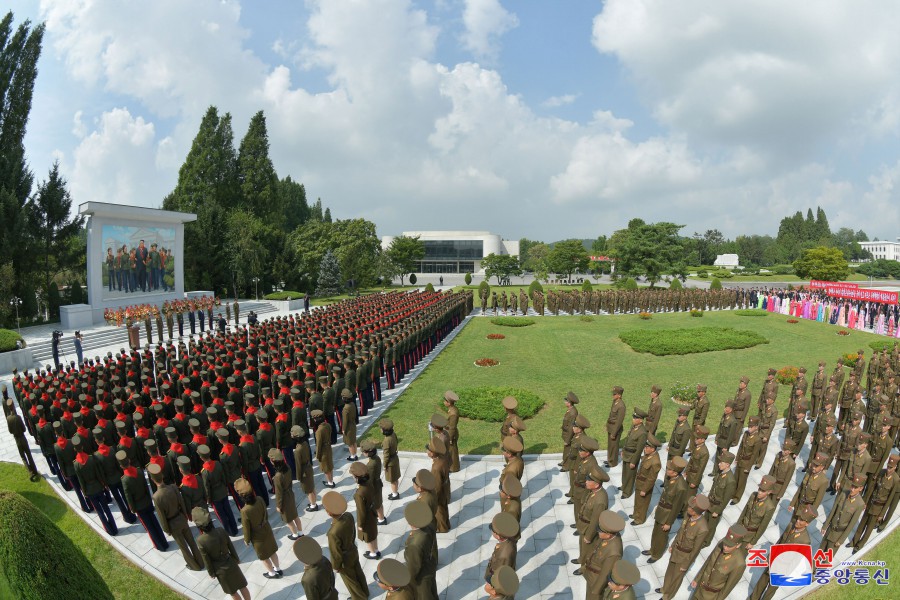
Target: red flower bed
(843,332)
(792,321)
(486,362)
(496,336)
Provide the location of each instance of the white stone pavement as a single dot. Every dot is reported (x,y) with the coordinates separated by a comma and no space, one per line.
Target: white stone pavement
(545,548)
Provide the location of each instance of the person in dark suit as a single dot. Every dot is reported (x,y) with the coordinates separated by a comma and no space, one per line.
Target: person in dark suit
(142,257)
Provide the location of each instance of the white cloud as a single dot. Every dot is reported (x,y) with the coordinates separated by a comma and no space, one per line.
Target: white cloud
(557,101)
(486,21)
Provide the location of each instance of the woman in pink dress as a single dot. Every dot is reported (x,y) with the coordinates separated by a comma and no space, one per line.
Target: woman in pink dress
(851,322)
(879,324)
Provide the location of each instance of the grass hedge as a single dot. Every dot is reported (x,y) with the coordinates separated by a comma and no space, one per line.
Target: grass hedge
(880,345)
(284,295)
(38,560)
(8,339)
(512,321)
(668,342)
(751,312)
(485,403)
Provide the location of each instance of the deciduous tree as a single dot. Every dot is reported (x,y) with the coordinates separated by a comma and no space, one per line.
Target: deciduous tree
(403,253)
(826,264)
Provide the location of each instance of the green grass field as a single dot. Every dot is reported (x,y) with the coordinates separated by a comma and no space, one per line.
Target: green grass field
(559,354)
(123,578)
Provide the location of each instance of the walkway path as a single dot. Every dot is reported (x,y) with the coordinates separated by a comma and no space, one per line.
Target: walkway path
(546,546)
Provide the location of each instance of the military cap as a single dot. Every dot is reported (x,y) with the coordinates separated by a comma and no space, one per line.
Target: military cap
(772,372)
(345,393)
(298,431)
(437,446)
(857,416)
(729,404)
(510,403)
(699,503)
(96,430)
(726,457)
(357,469)
(200,516)
(701,431)
(418,514)
(801,370)
(261,415)
(154,469)
(652,441)
(886,421)
(307,550)
(511,487)
(618,390)
(275,454)
(451,397)
(243,487)
(754,420)
(893,459)
(684,410)
(505,581)
(505,525)
(392,573)
(745,379)
(518,424)
(701,387)
(571,398)
(148,444)
(121,456)
(120,425)
(156,407)
(831,420)
(858,481)
(625,573)
(316,414)
(334,503)
(806,513)
(229,405)
(864,438)
(439,420)
(212,411)
(734,535)
(638,413)
(677,464)
(223,433)
(582,422)
(767,483)
(610,522)
(368,446)
(821,459)
(203,450)
(511,444)
(184,461)
(656,389)
(588,444)
(597,474)
(789,445)
(386,424)
(424,479)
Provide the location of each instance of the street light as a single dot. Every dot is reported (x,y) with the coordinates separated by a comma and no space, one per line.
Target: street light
(255,281)
(16,302)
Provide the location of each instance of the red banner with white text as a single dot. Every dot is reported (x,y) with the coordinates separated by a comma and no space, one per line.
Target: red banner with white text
(852,291)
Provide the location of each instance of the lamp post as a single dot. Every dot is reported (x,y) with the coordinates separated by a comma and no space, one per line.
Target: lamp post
(16,302)
(255,281)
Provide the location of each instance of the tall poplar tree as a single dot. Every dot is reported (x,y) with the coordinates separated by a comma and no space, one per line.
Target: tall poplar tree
(259,182)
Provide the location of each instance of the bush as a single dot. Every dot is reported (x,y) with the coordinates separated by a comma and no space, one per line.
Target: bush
(54,300)
(485,403)
(412,279)
(484,289)
(38,560)
(468,279)
(75,294)
(645,316)
(850,359)
(880,345)
(587,318)
(586,286)
(512,321)
(696,312)
(751,312)
(787,375)
(690,341)
(8,339)
(715,284)
(429,287)
(675,284)
(723,274)
(702,274)
(534,286)
(684,393)
(289,294)
(782,269)
(626,284)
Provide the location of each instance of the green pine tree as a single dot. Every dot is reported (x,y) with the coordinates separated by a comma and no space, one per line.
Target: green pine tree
(330,282)
(259,182)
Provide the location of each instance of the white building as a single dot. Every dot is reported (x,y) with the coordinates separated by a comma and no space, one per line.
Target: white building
(456,251)
(726,261)
(883,249)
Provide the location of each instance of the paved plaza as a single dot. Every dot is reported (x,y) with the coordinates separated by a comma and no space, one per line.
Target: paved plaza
(547,543)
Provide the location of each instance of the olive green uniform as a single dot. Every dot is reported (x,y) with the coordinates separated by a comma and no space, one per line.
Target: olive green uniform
(344,556)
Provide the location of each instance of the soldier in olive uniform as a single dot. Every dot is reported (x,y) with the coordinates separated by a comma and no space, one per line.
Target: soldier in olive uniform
(728,425)
(701,410)
(420,550)
(510,404)
(878,498)
(632,449)
(645,481)
(450,400)
(693,474)
(349,418)
(614,427)
(720,494)
(342,546)
(390,458)
(622,579)
(741,406)
(686,546)
(441,473)
(173,517)
(767,421)
(758,511)
(393,577)
(681,435)
(849,442)
(819,384)
(217,490)
(654,411)
(844,515)
(586,463)
(811,490)
(607,551)
(723,568)
(594,504)
(795,533)
(859,463)
(318,577)
(783,468)
(515,467)
(769,389)
(671,503)
(568,422)
(505,530)
(366,514)
(137,496)
(749,453)
(510,497)
(219,555)
(578,426)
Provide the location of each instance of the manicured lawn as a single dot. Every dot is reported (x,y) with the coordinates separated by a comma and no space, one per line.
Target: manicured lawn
(887,551)
(123,578)
(558,354)
(790,278)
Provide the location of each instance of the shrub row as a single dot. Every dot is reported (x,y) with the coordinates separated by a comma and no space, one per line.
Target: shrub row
(284,295)
(8,339)
(512,321)
(690,341)
(485,403)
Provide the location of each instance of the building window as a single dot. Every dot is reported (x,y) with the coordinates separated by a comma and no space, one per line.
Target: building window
(453,249)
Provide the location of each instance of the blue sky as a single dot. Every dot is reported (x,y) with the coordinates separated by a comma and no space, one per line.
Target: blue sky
(528,118)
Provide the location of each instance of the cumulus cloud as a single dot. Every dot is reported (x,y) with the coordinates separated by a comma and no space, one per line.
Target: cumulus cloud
(486,21)
(557,101)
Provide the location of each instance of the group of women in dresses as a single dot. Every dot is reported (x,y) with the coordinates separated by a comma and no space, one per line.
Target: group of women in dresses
(876,317)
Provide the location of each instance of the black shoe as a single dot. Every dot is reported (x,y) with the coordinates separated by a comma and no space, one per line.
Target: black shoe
(267,576)
(635,523)
(383,521)
(279,573)
(572,526)
(575,561)
(662,485)
(352,458)
(295,536)
(733,502)
(368,554)
(848,545)
(575,533)
(803,470)
(393,496)
(570,502)
(880,529)
(331,485)
(577,572)
(606,463)
(311,508)
(626,497)
(568,495)
(630,516)
(560,464)
(563,470)
(651,561)
(645,552)
(756,468)
(833,492)
(658,591)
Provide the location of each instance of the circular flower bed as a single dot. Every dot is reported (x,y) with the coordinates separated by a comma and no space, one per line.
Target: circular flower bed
(512,321)
(486,362)
(684,394)
(496,336)
(696,312)
(843,332)
(792,321)
(485,403)
(787,375)
(645,315)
